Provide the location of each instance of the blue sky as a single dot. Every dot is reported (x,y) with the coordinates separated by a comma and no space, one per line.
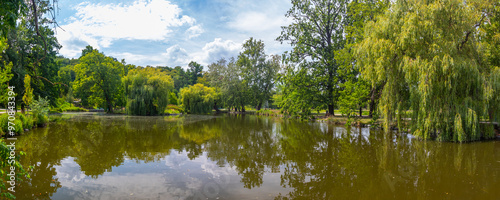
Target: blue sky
(170,32)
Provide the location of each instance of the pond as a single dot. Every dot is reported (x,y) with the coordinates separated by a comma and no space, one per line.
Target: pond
(90,156)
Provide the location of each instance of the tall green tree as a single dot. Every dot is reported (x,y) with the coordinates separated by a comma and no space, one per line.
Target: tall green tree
(316,33)
(98,81)
(491,44)
(428,55)
(28,91)
(194,72)
(32,50)
(198,99)
(227,77)
(10,11)
(258,72)
(147,90)
(356,92)
(5,73)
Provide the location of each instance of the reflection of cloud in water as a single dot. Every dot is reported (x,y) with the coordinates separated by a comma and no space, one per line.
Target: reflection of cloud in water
(176,160)
(178,178)
(69,172)
(210,171)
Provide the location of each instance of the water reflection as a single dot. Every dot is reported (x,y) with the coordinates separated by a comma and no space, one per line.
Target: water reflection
(245,157)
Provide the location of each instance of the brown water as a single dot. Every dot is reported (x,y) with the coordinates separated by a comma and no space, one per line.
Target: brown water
(247,157)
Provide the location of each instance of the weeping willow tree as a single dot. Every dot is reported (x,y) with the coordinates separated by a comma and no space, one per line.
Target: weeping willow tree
(428,56)
(198,99)
(147,91)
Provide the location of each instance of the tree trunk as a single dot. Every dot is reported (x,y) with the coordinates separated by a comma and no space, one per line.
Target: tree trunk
(216,108)
(22,108)
(331,111)
(372,103)
(360,111)
(110,105)
(258,106)
(242,108)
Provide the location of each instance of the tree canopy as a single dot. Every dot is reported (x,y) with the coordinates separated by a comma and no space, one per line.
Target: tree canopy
(198,99)
(98,81)
(258,72)
(147,90)
(428,55)
(316,33)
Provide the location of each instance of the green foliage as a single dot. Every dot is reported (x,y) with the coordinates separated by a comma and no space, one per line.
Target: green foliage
(355,89)
(230,89)
(63,106)
(194,72)
(55,110)
(26,120)
(173,99)
(10,11)
(4,120)
(316,33)
(300,92)
(147,91)
(40,111)
(98,81)
(32,50)
(174,109)
(430,67)
(4,164)
(4,124)
(353,97)
(28,91)
(183,78)
(198,99)
(5,72)
(491,44)
(257,72)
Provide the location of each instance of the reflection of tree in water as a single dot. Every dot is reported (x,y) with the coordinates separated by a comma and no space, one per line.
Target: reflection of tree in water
(97,143)
(443,170)
(319,161)
(322,164)
(98,147)
(246,142)
(43,182)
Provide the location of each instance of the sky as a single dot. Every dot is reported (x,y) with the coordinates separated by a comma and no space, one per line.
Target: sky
(169,32)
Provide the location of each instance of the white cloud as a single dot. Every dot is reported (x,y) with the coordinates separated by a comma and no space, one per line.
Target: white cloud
(194,31)
(177,55)
(216,50)
(101,24)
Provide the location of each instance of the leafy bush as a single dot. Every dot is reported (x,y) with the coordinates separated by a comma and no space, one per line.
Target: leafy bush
(40,110)
(174,109)
(18,125)
(4,120)
(55,110)
(4,164)
(26,120)
(63,106)
(42,120)
(4,123)
(75,109)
